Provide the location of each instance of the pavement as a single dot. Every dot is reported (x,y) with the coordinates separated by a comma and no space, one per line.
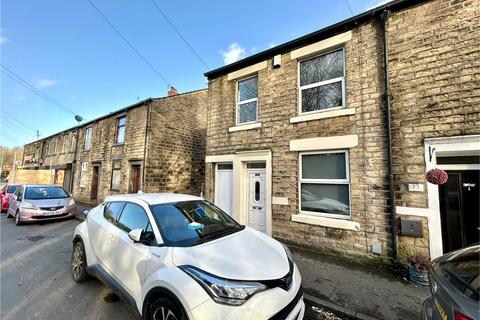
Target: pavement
(358,290)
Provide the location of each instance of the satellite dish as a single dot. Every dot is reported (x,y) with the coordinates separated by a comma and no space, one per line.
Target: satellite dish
(78,118)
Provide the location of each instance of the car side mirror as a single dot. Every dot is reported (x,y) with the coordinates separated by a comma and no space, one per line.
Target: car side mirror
(85,212)
(14,197)
(135,235)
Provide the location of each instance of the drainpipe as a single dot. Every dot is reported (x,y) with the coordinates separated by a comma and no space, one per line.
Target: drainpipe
(145,146)
(386,106)
(74,162)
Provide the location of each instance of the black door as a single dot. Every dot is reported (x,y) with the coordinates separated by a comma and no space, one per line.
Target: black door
(459,209)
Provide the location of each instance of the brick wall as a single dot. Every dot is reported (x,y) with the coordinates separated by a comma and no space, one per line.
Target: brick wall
(104,150)
(435,88)
(433,67)
(176,144)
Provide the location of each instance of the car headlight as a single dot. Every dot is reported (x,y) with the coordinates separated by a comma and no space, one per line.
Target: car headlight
(231,292)
(28,205)
(71,202)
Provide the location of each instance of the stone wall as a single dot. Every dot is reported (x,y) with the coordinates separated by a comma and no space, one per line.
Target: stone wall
(176,144)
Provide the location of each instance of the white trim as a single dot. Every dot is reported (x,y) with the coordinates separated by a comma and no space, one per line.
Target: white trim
(321,45)
(328,113)
(239,188)
(411,211)
(321,83)
(324,143)
(282,201)
(247,71)
(345,181)
(326,222)
(242,127)
(458,145)
(471,166)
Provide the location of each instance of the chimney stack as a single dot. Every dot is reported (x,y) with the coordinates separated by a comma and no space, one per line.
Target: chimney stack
(172,92)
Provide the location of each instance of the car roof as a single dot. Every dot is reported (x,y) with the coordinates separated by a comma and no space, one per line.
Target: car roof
(153,198)
(39,185)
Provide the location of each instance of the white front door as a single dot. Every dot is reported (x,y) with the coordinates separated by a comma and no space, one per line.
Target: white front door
(224,187)
(256,199)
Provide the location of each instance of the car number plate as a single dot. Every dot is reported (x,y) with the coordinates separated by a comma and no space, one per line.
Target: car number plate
(51,213)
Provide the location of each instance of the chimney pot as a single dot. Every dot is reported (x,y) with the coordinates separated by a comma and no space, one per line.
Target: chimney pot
(172,92)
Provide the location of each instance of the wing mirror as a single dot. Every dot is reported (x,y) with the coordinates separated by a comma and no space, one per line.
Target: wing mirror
(136,235)
(14,197)
(85,212)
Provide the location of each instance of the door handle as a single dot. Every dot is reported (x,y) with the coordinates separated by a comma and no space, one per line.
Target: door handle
(110,237)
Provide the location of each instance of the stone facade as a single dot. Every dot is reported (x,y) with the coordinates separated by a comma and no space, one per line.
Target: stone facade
(434,73)
(163,147)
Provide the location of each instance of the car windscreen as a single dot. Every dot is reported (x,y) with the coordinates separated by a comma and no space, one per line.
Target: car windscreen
(12,188)
(188,223)
(45,192)
(462,271)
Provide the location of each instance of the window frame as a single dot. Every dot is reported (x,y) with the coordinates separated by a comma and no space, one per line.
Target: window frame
(65,143)
(345,181)
(238,103)
(107,205)
(124,126)
(83,172)
(73,143)
(111,178)
(87,138)
(321,83)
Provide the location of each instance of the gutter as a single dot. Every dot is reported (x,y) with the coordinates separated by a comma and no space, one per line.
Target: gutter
(383,19)
(145,146)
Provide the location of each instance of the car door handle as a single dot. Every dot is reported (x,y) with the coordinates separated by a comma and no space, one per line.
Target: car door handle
(110,237)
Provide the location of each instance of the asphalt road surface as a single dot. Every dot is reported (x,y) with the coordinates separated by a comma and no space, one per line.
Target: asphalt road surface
(35,279)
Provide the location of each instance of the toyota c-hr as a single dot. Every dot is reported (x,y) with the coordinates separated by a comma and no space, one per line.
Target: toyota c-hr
(175,256)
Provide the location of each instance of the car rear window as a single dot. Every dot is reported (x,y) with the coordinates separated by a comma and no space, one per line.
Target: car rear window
(12,188)
(462,271)
(45,192)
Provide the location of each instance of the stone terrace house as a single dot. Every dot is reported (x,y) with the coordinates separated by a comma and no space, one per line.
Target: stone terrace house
(154,145)
(298,136)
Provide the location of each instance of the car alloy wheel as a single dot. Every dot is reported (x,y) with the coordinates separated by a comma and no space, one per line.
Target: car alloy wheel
(78,263)
(164,313)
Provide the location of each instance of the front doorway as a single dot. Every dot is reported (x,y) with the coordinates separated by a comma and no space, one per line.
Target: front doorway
(256,206)
(135,178)
(459,209)
(95,182)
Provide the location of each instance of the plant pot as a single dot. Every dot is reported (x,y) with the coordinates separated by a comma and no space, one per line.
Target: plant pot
(418,276)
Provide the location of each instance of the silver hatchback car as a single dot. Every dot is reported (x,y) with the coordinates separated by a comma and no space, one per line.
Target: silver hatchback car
(32,203)
(455,284)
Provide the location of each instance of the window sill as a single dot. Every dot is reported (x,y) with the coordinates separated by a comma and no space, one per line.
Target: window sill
(326,222)
(323,115)
(243,127)
(119,144)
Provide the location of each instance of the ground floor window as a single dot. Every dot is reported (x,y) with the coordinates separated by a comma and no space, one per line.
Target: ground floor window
(325,184)
(83,174)
(116,175)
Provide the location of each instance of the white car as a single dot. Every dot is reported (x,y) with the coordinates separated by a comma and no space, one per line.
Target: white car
(179,257)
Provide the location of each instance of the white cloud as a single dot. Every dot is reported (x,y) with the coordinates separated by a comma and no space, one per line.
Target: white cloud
(45,83)
(3,39)
(377,3)
(234,53)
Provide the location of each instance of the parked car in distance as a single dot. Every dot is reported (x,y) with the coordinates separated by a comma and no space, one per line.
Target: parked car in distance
(454,284)
(175,256)
(32,203)
(7,191)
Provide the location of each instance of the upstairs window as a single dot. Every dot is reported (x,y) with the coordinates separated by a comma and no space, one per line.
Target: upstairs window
(247,101)
(74,142)
(65,142)
(121,129)
(322,82)
(88,138)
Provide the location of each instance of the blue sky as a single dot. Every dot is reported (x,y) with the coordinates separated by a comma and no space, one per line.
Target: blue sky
(67,51)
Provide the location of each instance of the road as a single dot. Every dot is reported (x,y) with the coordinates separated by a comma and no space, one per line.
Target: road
(35,280)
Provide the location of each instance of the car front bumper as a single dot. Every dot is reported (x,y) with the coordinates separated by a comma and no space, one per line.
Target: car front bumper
(272,304)
(33,215)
